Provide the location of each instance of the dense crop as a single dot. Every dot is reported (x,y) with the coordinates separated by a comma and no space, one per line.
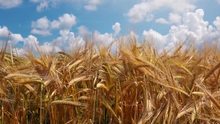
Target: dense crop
(131,84)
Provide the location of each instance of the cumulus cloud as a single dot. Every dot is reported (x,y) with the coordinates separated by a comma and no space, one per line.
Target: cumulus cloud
(11,38)
(7,35)
(31,43)
(98,38)
(141,11)
(155,38)
(65,22)
(192,29)
(16,38)
(116,27)
(4,32)
(161,21)
(43,26)
(217,23)
(7,4)
(83,31)
(102,39)
(186,27)
(175,18)
(67,41)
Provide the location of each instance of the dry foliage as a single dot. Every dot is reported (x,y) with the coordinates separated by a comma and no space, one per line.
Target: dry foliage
(131,85)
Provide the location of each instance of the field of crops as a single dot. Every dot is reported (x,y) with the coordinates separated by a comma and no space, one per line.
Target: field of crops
(132,84)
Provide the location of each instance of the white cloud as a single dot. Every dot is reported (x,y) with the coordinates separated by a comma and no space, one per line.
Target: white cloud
(161,21)
(42,6)
(116,27)
(43,26)
(97,37)
(55,24)
(217,22)
(31,41)
(49,48)
(102,39)
(218,1)
(186,27)
(6,4)
(158,40)
(83,31)
(92,5)
(192,29)
(16,38)
(141,11)
(41,32)
(175,18)
(6,34)
(182,33)
(195,22)
(152,35)
(89,5)
(66,21)
(68,41)
(32,44)
(42,23)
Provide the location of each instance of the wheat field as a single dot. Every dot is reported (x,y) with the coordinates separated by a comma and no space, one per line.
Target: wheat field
(134,84)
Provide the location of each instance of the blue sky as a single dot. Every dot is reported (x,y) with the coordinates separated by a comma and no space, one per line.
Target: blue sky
(49,22)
